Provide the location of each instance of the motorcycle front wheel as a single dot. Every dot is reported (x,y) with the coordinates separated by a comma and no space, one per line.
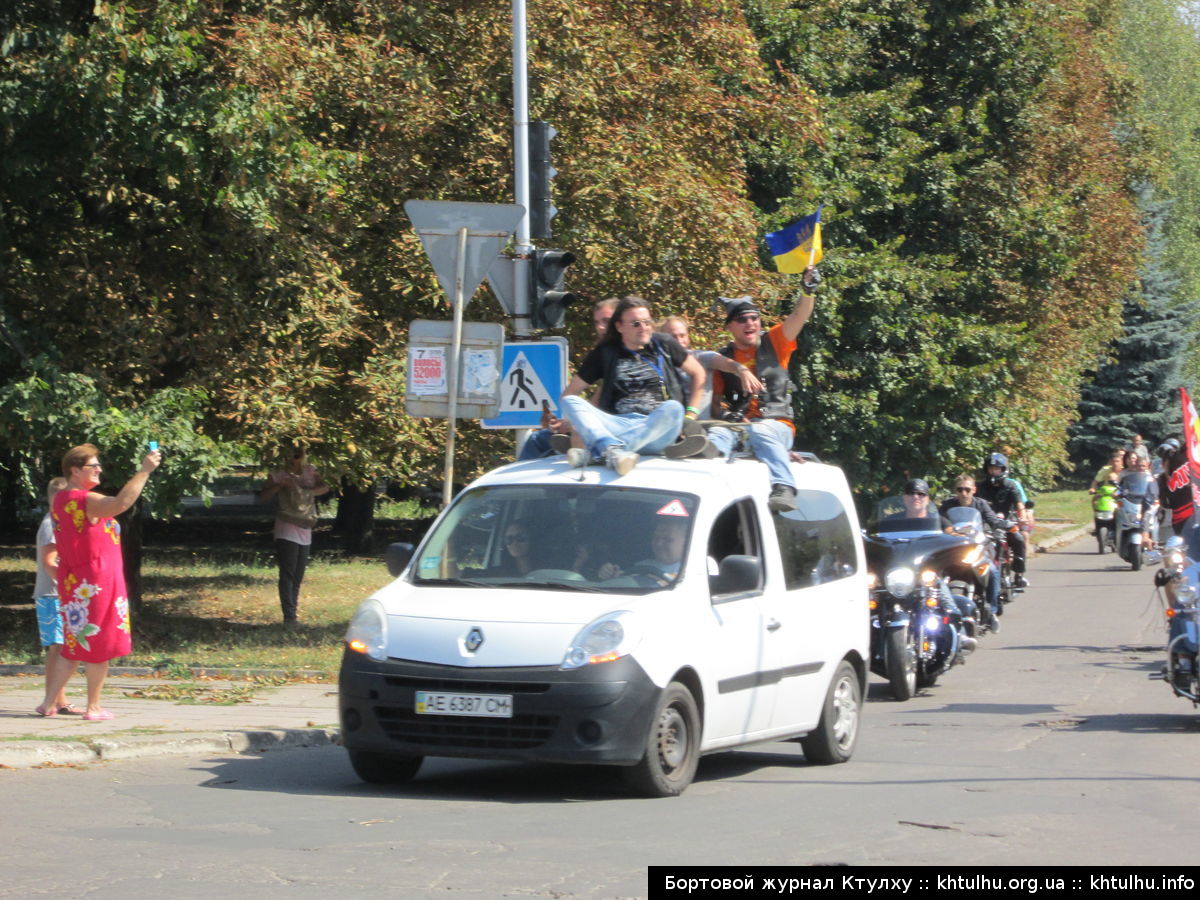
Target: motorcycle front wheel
(900,649)
(1102,538)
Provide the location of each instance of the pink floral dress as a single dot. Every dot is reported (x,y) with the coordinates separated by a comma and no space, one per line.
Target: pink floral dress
(91,582)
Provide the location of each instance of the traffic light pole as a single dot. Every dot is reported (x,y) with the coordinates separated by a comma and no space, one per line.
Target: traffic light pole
(521,274)
(524,249)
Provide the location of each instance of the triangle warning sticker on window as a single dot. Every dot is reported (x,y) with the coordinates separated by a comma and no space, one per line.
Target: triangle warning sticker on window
(674,508)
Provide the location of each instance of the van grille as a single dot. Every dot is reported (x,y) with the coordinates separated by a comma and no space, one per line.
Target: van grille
(461,685)
(518,733)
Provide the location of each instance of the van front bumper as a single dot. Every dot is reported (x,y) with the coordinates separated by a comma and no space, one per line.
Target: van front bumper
(594,714)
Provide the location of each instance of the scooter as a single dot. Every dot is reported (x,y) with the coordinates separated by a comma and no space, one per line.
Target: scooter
(1179,581)
(1130,521)
(917,628)
(1104,514)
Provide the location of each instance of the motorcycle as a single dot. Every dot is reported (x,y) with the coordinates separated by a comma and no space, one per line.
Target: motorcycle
(917,628)
(1179,580)
(1004,560)
(1104,513)
(969,577)
(1131,520)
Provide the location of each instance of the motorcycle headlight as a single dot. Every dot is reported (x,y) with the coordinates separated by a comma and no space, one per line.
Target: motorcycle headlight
(899,582)
(608,638)
(367,633)
(972,555)
(1185,594)
(1175,558)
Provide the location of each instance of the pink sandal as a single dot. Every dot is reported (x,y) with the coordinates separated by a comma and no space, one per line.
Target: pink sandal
(101,716)
(44,712)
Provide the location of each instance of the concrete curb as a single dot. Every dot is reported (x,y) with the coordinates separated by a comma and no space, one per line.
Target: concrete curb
(196,672)
(30,754)
(1059,540)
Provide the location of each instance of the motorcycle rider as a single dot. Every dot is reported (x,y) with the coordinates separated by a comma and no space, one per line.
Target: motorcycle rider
(1175,484)
(1136,465)
(964,495)
(1116,465)
(1003,496)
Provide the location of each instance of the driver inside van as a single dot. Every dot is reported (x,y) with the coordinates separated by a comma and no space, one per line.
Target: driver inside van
(667,543)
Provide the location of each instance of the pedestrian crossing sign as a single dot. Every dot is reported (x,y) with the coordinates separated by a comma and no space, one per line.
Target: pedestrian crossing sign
(532,374)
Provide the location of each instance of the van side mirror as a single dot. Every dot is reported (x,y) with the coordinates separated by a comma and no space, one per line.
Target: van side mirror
(738,575)
(397,557)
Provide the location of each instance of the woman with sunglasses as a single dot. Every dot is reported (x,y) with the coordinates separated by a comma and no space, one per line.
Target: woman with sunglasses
(91,577)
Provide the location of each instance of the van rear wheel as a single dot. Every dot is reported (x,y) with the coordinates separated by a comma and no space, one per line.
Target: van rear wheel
(672,746)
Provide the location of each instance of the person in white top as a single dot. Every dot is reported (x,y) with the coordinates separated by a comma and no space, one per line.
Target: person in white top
(45,601)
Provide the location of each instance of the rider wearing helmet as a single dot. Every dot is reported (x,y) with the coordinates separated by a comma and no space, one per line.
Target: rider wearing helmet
(1175,484)
(1004,496)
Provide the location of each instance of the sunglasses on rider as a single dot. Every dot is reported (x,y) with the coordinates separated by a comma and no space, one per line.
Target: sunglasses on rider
(746,318)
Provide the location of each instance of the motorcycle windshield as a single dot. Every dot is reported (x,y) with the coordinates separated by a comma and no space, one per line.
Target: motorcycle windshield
(1135,485)
(892,517)
(965,519)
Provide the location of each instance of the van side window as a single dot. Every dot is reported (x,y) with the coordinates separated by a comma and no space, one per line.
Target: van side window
(816,541)
(734,533)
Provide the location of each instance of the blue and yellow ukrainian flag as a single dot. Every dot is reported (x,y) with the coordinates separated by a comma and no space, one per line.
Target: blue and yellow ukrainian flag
(797,246)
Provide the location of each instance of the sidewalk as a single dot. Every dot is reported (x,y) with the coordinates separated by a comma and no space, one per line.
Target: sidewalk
(272,717)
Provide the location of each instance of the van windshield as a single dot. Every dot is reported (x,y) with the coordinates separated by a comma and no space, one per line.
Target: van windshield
(593,538)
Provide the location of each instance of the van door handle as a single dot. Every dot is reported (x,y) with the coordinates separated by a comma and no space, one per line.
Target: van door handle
(773,625)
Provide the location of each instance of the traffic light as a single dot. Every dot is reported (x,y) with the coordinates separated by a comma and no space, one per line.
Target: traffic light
(541,209)
(547,300)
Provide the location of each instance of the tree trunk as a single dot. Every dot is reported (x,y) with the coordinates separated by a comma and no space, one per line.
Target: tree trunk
(355,519)
(8,491)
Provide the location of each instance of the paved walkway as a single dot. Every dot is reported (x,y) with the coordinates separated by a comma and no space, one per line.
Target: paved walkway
(271,717)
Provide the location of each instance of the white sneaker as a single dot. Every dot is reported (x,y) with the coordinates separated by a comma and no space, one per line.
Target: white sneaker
(577,457)
(619,460)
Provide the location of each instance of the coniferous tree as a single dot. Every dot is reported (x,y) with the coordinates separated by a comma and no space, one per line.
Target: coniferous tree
(1136,390)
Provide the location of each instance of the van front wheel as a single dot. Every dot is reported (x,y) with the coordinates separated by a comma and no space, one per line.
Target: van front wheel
(672,746)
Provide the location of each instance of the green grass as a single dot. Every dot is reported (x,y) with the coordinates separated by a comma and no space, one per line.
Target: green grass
(1073,506)
(211,607)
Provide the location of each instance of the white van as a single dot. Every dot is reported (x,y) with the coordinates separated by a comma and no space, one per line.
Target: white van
(577,616)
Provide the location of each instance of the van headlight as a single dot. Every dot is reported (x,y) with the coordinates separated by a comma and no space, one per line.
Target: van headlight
(604,640)
(367,632)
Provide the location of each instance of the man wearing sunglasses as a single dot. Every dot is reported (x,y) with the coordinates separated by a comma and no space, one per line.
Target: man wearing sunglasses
(769,413)
(964,495)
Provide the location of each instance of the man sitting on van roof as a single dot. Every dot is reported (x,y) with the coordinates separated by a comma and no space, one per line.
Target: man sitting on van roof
(769,413)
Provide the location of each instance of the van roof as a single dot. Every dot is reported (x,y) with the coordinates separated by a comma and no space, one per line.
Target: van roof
(696,476)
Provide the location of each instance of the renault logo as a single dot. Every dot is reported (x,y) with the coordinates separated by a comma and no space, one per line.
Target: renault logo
(474,639)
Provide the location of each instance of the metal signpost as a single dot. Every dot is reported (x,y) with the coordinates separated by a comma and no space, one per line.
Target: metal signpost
(461,241)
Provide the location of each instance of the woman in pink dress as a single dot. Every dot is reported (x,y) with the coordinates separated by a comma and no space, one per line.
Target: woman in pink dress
(91,577)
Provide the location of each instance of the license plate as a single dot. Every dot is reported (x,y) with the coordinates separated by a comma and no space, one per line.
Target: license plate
(493,706)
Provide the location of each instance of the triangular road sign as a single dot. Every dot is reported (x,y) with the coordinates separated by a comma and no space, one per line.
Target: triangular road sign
(489,227)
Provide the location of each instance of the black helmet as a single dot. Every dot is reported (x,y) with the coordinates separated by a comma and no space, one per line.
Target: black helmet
(1169,447)
(996,459)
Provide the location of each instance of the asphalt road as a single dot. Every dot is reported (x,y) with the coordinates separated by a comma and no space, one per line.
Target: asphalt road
(1049,747)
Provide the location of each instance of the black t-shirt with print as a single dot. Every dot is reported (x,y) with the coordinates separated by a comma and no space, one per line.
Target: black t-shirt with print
(636,382)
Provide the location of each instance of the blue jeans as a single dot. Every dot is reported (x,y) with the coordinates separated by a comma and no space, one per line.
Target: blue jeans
(633,432)
(536,445)
(993,588)
(770,440)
